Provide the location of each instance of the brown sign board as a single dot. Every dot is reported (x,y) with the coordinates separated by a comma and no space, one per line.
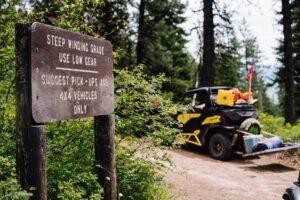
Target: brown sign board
(71,74)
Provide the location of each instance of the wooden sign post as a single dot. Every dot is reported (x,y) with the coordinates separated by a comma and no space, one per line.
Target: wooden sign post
(62,75)
(105,155)
(30,137)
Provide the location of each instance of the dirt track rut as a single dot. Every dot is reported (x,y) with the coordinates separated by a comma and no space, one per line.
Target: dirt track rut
(196,176)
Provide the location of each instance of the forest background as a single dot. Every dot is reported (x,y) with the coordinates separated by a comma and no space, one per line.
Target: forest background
(151,64)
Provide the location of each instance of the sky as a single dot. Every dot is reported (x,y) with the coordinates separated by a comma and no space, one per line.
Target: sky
(262,20)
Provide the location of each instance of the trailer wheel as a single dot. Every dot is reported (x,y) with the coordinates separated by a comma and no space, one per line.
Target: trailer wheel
(220,147)
(251,125)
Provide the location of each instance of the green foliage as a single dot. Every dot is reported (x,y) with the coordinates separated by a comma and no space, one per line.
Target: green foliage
(276,126)
(70,165)
(70,160)
(8,17)
(141,109)
(72,15)
(227,64)
(137,176)
(9,188)
(228,57)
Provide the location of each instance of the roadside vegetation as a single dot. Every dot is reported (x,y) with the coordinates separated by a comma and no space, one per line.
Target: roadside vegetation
(276,125)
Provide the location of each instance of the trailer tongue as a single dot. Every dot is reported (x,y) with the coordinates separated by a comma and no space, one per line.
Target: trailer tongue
(288,147)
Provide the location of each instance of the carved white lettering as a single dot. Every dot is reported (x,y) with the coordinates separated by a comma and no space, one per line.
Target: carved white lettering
(65,96)
(56,41)
(78,45)
(77,60)
(93,81)
(77,80)
(104,82)
(63,57)
(52,79)
(97,49)
(85,95)
(80,109)
(90,61)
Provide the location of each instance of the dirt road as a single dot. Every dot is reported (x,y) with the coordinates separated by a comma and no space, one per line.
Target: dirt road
(196,176)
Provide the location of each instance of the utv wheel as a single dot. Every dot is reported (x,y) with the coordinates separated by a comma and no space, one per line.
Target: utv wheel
(220,147)
(251,125)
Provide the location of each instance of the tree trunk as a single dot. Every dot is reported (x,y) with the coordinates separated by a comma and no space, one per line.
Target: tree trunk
(141,40)
(289,112)
(107,29)
(207,71)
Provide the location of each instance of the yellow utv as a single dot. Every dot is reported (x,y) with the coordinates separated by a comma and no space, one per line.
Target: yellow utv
(217,121)
(224,120)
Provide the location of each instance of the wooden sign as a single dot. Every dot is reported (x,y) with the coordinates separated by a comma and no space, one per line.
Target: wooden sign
(71,74)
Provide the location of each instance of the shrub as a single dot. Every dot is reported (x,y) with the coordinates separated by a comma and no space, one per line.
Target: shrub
(70,153)
(9,188)
(137,173)
(276,126)
(141,109)
(71,158)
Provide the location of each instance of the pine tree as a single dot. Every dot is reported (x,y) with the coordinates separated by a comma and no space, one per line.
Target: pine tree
(228,58)
(160,45)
